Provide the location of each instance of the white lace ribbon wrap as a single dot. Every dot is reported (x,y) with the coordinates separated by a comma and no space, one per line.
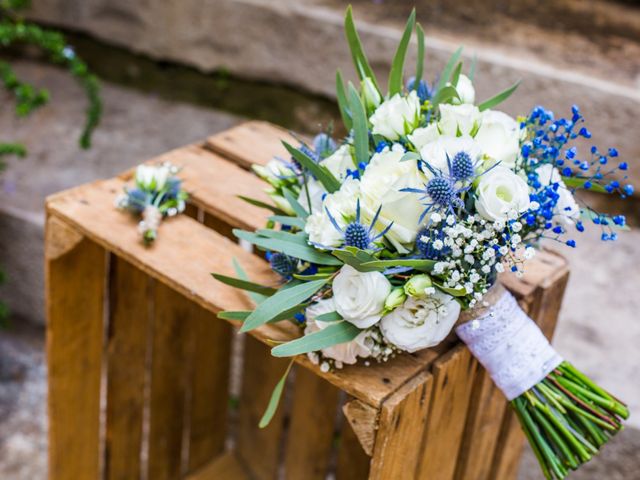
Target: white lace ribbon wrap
(510,346)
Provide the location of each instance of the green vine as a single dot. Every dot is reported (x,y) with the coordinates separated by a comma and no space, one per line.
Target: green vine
(15,31)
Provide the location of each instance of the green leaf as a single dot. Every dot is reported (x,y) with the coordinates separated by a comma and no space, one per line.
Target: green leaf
(354,257)
(343,104)
(578,182)
(472,70)
(444,95)
(410,156)
(360,126)
(281,301)
(260,204)
(315,276)
(461,292)
(244,284)
(299,238)
(499,98)
(297,207)
(448,69)
(293,249)
(329,317)
(334,334)
(357,52)
(256,297)
(324,176)
(416,264)
(420,62)
(397,66)
(456,75)
(240,315)
(274,401)
(288,221)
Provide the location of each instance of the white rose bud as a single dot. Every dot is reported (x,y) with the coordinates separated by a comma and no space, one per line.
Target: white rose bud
(339,161)
(421,323)
(424,135)
(370,95)
(465,90)
(459,119)
(359,296)
(395,299)
(499,137)
(417,286)
(501,192)
(397,116)
(346,353)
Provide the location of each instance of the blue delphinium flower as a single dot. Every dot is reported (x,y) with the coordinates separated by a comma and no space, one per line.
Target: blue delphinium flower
(356,234)
(422,89)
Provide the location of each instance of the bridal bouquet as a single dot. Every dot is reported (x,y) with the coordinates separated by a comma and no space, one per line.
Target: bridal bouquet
(157,193)
(388,239)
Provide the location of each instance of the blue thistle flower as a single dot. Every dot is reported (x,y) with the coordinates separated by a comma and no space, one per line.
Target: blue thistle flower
(283,265)
(462,167)
(356,234)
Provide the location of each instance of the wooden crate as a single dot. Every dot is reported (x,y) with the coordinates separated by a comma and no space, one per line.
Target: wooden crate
(140,367)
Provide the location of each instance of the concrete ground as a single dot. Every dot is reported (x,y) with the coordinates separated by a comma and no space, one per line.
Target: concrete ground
(597,329)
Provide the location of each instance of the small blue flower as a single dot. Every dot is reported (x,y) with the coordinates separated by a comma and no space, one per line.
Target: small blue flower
(571,243)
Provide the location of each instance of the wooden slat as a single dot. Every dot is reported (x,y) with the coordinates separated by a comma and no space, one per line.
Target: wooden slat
(453,381)
(251,142)
(259,449)
(311,427)
(364,422)
(401,427)
(225,467)
(75,283)
(126,353)
(486,411)
(353,463)
(168,382)
(210,358)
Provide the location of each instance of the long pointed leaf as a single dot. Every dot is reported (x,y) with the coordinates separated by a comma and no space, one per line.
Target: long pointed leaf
(280,302)
(329,317)
(288,221)
(360,126)
(472,70)
(417,264)
(274,401)
(293,201)
(397,66)
(261,204)
(334,334)
(448,69)
(242,315)
(244,284)
(256,297)
(444,95)
(343,103)
(456,74)
(299,238)
(499,98)
(420,62)
(293,249)
(357,52)
(323,175)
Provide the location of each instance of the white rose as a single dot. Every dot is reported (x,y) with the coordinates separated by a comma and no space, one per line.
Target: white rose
(359,296)
(499,137)
(339,161)
(152,177)
(458,119)
(436,153)
(274,172)
(342,206)
(316,192)
(397,116)
(370,95)
(424,135)
(381,184)
(346,353)
(465,90)
(566,211)
(421,323)
(500,192)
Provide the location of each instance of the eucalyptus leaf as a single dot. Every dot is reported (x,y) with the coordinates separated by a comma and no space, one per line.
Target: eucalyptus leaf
(299,238)
(261,204)
(315,276)
(448,69)
(360,126)
(343,103)
(295,205)
(274,401)
(355,257)
(456,74)
(244,284)
(420,62)
(499,98)
(397,66)
(240,315)
(291,248)
(417,264)
(334,334)
(357,52)
(256,297)
(578,182)
(324,176)
(460,292)
(329,317)
(288,221)
(281,301)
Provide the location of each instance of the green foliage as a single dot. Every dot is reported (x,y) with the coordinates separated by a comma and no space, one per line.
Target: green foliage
(499,98)
(274,401)
(360,126)
(397,66)
(334,334)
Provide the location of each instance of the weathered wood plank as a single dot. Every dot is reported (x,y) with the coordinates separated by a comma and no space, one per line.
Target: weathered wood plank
(127,348)
(251,142)
(210,362)
(403,419)
(225,467)
(259,449)
(75,285)
(453,381)
(364,422)
(168,382)
(353,463)
(311,427)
